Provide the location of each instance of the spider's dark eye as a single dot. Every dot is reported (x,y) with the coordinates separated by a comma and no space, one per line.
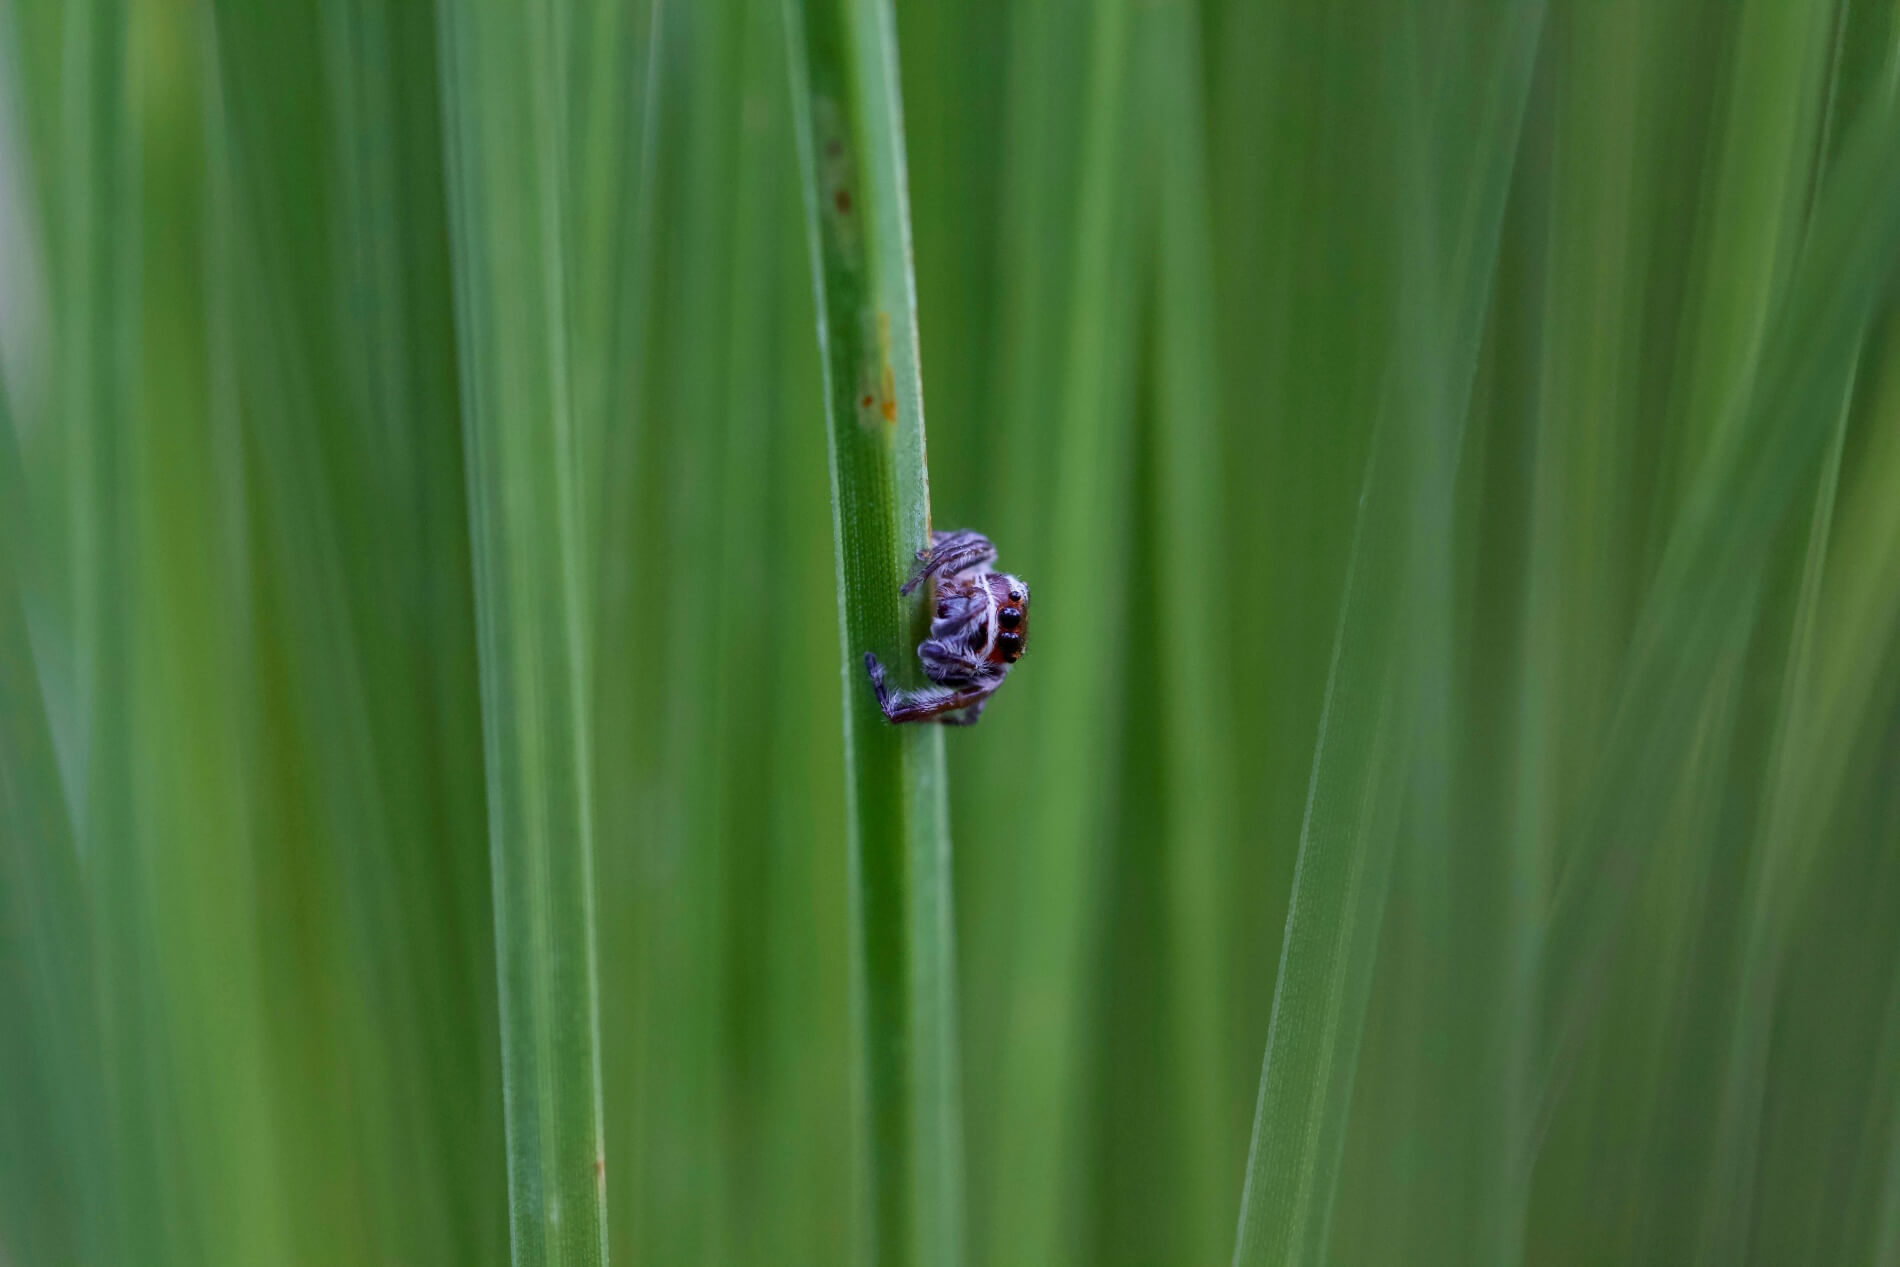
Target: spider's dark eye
(1010,644)
(1015,596)
(1010,617)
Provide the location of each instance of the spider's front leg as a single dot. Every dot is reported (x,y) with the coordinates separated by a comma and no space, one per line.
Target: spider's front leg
(950,554)
(902,706)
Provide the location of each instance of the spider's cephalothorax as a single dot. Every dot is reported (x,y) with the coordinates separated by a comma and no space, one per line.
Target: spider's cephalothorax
(979,629)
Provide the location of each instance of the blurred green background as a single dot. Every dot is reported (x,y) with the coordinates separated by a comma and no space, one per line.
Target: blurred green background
(1479,535)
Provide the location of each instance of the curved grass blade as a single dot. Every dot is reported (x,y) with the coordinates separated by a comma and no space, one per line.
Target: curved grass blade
(1708,584)
(503,113)
(1391,633)
(1777,868)
(847,114)
(1828,722)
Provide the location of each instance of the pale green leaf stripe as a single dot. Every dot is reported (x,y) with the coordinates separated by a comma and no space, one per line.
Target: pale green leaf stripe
(503,121)
(846,110)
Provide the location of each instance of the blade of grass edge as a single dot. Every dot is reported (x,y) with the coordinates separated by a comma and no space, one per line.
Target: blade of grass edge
(502,133)
(845,103)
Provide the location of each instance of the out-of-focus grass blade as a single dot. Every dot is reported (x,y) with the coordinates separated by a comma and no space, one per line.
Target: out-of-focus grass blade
(680,1179)
(1197,761)
(339,446)
(1762,159)
(50,1198)
(95,279)
(1586,432)
(1007,469)
(1829,692)
(1392,639)
(1775,884)
(1710,576)
(1830,732)
(848,116)
(1034,1184)
(193,807)
(1882,1162)
(1307,254)
(505,136)
(1333,919)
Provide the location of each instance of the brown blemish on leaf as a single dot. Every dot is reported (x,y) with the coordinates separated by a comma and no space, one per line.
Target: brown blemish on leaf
(887,382)
(842,200)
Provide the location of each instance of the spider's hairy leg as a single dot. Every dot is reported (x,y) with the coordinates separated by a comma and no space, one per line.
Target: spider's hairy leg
(902,706)
(949,662)
(951,553)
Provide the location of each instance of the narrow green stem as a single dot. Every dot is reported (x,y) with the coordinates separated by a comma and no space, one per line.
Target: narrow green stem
(845,101)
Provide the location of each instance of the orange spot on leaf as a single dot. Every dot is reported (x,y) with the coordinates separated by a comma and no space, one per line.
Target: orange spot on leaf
(887,382)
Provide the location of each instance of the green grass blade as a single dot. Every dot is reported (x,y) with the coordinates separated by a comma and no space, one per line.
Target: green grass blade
(850,136)
(1776,883)
(1197,764)
(503,119)
(49,1195)
(1761,159)
(1845,603)
(335,425)
(1333,918)
(1392,641)
(1884,1242)
(1059,891)
(95,306)
(1572,616)
(1831,734)
(1007,438)
(1709,580)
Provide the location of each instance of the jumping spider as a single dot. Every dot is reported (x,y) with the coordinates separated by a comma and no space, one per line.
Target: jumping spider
(980,629)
